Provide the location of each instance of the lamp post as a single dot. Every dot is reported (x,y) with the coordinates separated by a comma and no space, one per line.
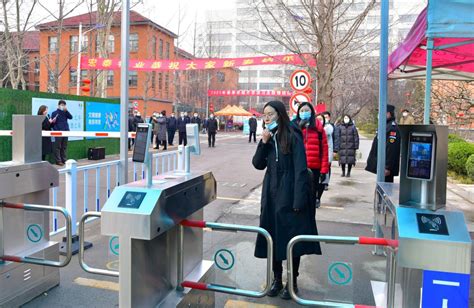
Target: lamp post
(78,71)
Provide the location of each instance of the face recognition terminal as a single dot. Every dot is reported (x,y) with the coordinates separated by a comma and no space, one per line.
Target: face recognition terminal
(431,237)
(145,215)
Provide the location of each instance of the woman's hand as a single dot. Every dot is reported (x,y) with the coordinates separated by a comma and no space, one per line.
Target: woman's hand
(266,135)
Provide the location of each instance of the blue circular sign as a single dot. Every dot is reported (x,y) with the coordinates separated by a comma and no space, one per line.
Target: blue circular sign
(224,259)
(340,273)
(34,232)
(114,245)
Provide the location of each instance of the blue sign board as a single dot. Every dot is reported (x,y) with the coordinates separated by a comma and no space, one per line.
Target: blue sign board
(445,290)
(102,117)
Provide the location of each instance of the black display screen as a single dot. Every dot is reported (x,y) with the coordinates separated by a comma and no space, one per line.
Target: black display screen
(132,199)
(140,148)
(432,224)
(420,156)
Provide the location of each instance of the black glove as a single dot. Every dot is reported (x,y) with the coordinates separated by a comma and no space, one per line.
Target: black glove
(296,210)
(322,177)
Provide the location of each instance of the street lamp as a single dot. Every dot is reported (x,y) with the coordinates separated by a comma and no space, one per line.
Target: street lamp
(97,26)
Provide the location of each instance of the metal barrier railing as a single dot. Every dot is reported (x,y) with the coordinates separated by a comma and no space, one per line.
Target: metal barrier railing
(220,288)
(82,263)
(163,162)
(345,240)
(37,261)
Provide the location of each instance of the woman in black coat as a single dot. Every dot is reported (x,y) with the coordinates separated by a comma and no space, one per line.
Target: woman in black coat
(286,207)
(347,142)
(47,146)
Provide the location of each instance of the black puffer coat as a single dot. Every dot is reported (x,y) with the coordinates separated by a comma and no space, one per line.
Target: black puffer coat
(347,142)
(286,186)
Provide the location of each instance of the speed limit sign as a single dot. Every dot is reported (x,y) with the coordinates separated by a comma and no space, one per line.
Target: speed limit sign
(297,99)
(300,80)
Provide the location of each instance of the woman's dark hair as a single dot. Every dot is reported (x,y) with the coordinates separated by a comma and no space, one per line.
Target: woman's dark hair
(41,109)
(283,133)
(163,112)
(313,114)
(346,115)
(322,116)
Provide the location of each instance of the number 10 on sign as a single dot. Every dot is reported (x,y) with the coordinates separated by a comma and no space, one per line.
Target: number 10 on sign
(300,80)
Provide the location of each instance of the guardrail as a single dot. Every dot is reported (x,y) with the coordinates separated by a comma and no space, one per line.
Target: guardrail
(163,162)
(392,246)
(220,288)
(38,261)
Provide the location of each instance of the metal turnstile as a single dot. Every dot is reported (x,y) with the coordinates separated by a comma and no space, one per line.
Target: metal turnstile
(29,261)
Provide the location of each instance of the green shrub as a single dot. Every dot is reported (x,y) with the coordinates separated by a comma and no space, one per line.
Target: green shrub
(368,127)
(458,153)
(452,138)
(470,167)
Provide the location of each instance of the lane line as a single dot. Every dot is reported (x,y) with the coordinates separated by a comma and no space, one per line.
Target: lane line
(99,284)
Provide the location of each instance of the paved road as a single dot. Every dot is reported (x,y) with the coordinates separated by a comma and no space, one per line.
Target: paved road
(346,210)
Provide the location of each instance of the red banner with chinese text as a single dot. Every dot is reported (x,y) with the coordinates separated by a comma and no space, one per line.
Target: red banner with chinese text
(195,64)
(249,93)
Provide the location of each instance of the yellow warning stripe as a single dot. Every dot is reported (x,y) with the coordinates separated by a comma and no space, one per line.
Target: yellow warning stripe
(99,284)
(243,304)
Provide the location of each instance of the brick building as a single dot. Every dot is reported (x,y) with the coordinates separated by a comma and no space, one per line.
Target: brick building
(191,86)
(148,40)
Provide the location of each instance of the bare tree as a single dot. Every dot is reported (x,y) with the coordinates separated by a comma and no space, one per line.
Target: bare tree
(56,67)
(329,26)
(16,16)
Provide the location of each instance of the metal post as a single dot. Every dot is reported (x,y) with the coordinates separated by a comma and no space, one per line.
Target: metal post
(429,66)
(391,278)
(124,91)
(71,192)
(207,97)
(181,158)
(382,90)
(149,170)
(78,71)
(180,260)
(187,159)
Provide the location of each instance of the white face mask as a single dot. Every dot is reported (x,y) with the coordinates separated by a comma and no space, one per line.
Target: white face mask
(212,117)
(61,107)
(195,115)
(405,114)
(346,120)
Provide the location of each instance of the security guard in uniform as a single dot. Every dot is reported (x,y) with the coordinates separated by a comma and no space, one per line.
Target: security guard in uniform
(392,149)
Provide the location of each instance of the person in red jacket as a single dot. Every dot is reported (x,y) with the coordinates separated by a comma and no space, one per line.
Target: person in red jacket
(316,146)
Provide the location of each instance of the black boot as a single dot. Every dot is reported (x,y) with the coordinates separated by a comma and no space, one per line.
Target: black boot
(277,285)
(285,293)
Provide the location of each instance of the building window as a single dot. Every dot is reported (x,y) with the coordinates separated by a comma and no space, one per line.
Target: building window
(37,86)
(73,43)
(167,50)
(110,78)
(85,43)
(133,42)
(160,81)
(72,77)
(153,80)
(152,47)
(220,76)
(52,44)
(37,66)
(167,84)
(133,79)
(51,82)
(111,43)
(161,49)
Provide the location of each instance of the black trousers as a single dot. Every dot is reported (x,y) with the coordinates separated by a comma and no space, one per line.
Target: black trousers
(160,142)
(389,178)
(183,138)
(317,187)
(131,142)
(254,136)
(60,149)
(211,138)
(171,133)
(278,268)
(349,168)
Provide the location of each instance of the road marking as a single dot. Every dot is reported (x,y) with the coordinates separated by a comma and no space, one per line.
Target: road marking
(447,283)
(231,303)
(99,284)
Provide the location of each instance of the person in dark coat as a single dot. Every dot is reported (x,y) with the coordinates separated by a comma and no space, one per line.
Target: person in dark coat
(171,126)
(161,131)
(47,145)
(131,128)
(197,120)
(211,130)
(182,121)
(347,142)
(286,207)
(392,148)
(61,116)
(253,128)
